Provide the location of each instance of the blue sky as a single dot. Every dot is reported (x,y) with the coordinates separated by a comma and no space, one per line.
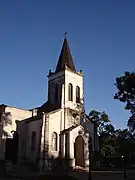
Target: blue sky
(101,35)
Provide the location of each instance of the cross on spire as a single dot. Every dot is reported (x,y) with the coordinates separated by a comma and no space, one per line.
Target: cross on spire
(65,34)
(65,58)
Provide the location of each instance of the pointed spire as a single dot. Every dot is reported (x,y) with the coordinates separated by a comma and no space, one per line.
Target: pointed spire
(65,58)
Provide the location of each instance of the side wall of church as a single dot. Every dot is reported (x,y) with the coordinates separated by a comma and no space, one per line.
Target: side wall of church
(22,130)
(15,114)
(29,144)
(55,126)
(33,143)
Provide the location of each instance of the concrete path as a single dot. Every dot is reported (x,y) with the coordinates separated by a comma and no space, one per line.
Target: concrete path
(21,172)
(104,175)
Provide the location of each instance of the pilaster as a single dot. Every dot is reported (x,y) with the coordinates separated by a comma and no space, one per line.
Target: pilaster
(43,163)
(63,145)
(87,151)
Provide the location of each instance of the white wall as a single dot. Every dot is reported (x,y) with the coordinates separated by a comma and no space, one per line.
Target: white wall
(22,129)
(54,126)
(25,129)
(16,114)
(36,127)
(76,80)
(69,119)
(89,126)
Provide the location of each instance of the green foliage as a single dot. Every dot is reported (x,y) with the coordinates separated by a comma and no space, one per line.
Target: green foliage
(106,141)
(100,119)
(106,133)
(116,142)
(131,123)
(109,128)
(126,90)
(107,150)
(126,93)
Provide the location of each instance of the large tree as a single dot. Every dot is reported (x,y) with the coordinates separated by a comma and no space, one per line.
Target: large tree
(116,143)
(126,93)
(105,131)
(100,118)
(107,141)
(112,142)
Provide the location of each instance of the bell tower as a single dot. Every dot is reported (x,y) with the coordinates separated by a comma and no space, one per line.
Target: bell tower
(65,85)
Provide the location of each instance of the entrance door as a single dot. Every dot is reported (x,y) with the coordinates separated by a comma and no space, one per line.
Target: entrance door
(11,149)
(79,151)
(8,149)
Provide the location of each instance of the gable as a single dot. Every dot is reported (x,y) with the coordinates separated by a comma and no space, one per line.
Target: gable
(75,128)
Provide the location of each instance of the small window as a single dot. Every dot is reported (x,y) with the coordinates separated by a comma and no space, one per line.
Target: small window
(54,141)
(77,94)
(33,141)
(70,92)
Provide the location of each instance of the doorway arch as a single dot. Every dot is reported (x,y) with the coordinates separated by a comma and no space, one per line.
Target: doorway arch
(79,151)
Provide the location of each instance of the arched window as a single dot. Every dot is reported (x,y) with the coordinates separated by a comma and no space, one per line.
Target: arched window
(54,141)
(77,94)
(56,93)
(70,92)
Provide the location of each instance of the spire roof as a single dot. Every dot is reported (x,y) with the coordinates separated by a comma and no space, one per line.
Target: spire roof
(65,58)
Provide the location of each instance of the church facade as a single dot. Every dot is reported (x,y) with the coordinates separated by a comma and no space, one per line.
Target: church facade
(59,128)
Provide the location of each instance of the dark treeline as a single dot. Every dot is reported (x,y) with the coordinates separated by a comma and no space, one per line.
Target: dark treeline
(117,146)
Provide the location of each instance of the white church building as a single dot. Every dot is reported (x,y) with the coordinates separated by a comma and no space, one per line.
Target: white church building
(59,128)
